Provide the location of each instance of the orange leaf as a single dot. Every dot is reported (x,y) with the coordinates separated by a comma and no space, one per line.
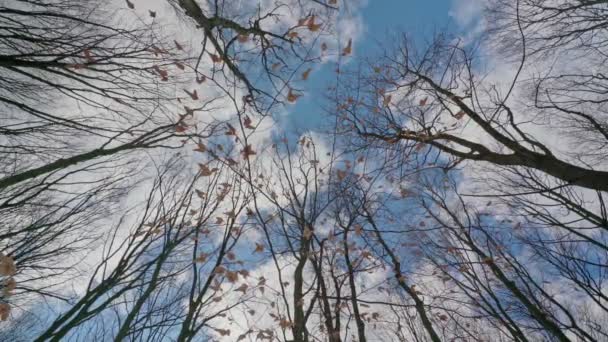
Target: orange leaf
(292,97)
(459,115)
(423,101)
(311,24)
(258,248)
(305,74)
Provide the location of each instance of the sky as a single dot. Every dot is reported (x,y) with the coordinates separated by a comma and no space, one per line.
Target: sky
(378,18)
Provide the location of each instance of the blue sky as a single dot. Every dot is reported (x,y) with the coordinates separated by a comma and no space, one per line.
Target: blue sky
(419,18)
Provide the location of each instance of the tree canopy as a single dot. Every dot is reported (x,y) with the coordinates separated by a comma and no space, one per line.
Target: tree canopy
(453,188)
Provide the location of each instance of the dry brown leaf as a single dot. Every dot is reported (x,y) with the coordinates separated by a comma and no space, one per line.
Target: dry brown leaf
(7,266)
(307,233)
(284,323)
(181,127)
(5,311)
(9,285)
(358,230)
(200,147)
(205,171)
(259,248)
(292,97)
(89,56)
(248,123)
(305,74)
(201,258)
(312,26)
(247,151)
(231,130)
(223,332)
(243,38)
(387,100)
(348,49)
(193,94)
(243,288)
(215,58)
(200,194)
(232,277)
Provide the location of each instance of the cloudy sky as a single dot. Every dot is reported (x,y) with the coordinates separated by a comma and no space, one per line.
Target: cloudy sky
(374,21)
